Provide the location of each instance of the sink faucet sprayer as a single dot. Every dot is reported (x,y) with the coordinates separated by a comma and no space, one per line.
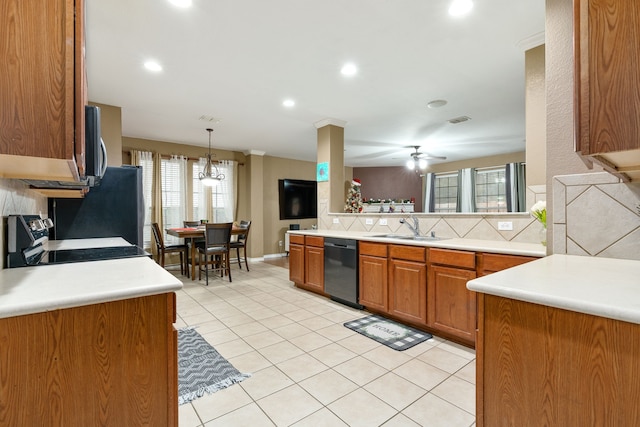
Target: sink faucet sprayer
(415,228)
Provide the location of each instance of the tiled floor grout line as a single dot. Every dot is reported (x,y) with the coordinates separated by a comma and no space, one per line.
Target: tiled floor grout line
(247,299)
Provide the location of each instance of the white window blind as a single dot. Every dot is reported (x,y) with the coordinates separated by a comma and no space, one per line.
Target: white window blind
(174,194)
(223,194)
(200,202)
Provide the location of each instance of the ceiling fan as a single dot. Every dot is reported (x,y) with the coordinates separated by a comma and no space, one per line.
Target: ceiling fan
(418,160)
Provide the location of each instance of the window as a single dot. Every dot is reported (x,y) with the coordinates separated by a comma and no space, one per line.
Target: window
(491,190)
(174,194)
(199,191)
(446,192)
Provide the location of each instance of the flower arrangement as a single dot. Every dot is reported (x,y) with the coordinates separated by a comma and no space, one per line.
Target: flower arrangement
(539,212)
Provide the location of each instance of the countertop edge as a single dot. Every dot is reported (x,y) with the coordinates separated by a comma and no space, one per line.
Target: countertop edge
(571,282)
(477,245)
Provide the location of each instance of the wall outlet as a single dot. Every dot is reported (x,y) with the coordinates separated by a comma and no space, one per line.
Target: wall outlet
(280,243)
(383,221)
(505,225)
(368,221)
(336,220)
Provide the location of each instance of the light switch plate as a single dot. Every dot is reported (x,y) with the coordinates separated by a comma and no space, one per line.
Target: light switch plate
(368,221)
(336,220)
(383,221)
(505,225)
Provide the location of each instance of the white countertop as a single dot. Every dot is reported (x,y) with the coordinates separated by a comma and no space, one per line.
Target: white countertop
(101,242)
(493,246)
(43,288)
(604,287)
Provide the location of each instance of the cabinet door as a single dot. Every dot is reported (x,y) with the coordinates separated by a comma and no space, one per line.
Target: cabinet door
(607,75)
(373,282)
(314,267)
(296,263)
(452,307)
(408,290)
(41,89)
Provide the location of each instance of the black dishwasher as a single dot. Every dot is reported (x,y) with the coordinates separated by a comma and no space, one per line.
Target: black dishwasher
(341,270)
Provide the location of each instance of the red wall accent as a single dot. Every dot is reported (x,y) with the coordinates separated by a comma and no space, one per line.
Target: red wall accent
(393,182)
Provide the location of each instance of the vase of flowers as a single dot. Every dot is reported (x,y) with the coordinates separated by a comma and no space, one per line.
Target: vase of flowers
(539,212)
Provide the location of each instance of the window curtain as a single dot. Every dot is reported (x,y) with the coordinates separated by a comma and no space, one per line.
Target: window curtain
(516,187)
(466,201)
(225,193)
(144,159)
(429,193)
(201,210)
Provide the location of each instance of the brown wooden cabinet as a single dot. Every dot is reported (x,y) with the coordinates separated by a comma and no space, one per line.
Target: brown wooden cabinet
(543,366)
(408,283)
(42,89)
(108,364)
(492,263)
(451,306)
(607,75)
(373,273)
(296,259)
(314,263)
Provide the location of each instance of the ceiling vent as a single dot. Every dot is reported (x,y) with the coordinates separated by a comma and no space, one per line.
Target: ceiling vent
(460,119)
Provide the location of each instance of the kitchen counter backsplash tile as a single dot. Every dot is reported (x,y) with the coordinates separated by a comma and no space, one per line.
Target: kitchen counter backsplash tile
(16,198)
(595,215)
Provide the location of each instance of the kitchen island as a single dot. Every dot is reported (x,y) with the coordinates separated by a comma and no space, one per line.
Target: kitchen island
(88,343)
(558,343)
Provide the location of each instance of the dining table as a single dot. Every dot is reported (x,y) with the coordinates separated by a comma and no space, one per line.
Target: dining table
(193,233)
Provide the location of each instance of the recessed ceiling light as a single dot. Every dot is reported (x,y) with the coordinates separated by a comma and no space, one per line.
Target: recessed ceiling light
(289,103)
(460,7)
(181,3)
(437,103)
(153,66)
(349,69)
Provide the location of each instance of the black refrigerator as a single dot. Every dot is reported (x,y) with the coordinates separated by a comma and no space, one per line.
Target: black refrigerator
(114,208)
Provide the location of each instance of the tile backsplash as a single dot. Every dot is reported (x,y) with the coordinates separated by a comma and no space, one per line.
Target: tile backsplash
(596,215)
(471,226)
(16,198)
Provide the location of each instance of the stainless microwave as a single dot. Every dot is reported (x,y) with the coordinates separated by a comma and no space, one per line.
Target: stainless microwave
(95,150)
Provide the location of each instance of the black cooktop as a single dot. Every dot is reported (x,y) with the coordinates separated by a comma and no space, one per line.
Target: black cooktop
(91,254)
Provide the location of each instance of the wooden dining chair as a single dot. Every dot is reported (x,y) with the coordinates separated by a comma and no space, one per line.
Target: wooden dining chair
(241,243)
(163,249)
(217,238)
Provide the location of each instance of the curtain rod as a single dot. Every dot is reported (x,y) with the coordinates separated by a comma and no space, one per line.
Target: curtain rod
(127,151)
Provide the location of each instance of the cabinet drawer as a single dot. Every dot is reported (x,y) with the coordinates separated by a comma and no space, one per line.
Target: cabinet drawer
(296,238)
(490,263)
(317,241)
(373,249)
(452,257)
(409,253)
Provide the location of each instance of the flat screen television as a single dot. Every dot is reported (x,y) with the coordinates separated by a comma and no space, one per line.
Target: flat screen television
(298,198)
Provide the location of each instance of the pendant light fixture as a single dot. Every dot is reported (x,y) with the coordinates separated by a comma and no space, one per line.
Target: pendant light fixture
(210,176)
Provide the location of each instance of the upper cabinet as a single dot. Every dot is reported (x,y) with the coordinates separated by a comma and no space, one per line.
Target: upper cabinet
(42,89)
(607,78)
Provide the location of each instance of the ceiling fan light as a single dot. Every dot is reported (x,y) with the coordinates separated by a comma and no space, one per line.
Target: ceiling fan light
(411,164)
(422,164)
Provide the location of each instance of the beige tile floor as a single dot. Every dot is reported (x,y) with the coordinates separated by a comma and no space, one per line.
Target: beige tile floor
(308,369)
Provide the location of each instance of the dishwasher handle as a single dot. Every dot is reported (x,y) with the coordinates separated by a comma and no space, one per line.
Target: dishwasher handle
(341,243)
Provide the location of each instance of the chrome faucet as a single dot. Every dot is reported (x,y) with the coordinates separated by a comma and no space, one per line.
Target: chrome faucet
(415,228)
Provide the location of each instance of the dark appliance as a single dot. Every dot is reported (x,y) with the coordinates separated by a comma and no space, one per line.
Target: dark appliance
(341,270)
(298,198)
(26,238)
(95,156)
(115,208)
